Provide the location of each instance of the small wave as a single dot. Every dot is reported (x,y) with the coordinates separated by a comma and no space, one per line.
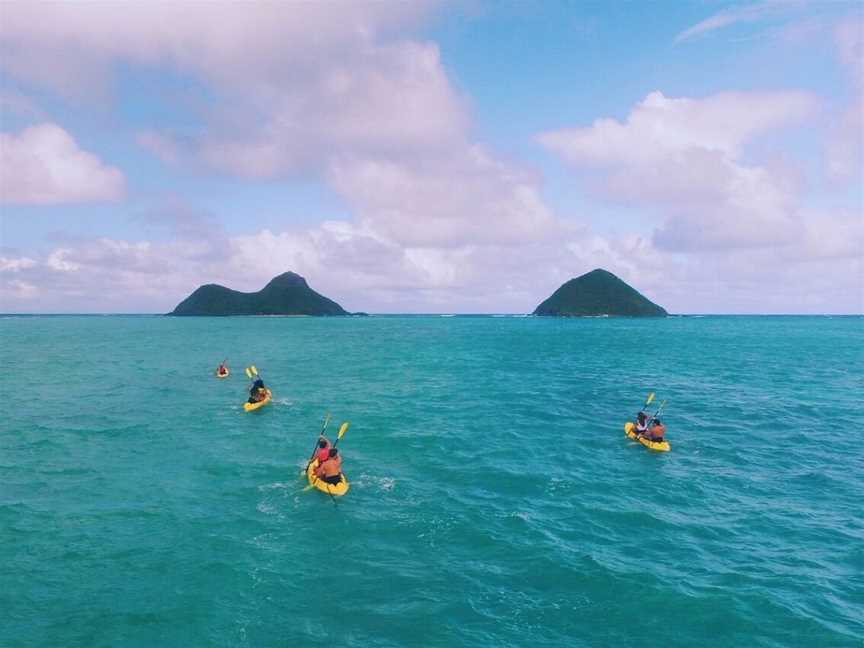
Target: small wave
(557,485)
(382,483)
(266,509)
(275,486)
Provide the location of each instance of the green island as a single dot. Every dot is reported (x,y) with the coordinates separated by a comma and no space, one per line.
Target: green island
(287,294)
(598,292)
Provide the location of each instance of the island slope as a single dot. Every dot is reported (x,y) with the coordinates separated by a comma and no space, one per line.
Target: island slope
(287,294)
(598,292)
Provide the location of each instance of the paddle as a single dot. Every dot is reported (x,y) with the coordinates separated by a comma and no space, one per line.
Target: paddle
(342,430)
(642,409)
(252,373)
(647,402)
(654,416)
(315,447)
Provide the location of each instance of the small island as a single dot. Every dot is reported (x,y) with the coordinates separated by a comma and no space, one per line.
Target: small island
(287,294)
(598,292)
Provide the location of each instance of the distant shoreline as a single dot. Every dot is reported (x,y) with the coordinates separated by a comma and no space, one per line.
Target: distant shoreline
(442,315)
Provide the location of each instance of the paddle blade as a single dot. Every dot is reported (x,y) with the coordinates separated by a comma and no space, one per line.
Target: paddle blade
(342,429)
(248,373)
(309,487)
(650,398)
(254,370)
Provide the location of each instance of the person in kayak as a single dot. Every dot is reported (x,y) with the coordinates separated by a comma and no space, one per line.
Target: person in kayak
(330,471)
(222,369)
(323,451)
(641,423)
(656,431)
(258,392)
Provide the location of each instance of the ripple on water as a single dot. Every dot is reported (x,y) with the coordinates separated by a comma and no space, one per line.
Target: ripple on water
(494,498)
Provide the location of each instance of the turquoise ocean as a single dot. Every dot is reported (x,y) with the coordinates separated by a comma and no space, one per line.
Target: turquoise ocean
(494,498)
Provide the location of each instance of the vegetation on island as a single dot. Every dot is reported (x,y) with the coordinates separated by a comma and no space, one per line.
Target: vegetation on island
(287,294)
(598,292)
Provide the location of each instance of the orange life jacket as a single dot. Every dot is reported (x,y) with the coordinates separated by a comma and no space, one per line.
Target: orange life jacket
(657,431)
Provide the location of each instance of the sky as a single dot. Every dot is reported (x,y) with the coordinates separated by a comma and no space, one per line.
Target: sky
(411,157)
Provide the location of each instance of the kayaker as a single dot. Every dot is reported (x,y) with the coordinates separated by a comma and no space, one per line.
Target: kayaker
(330,471)
(323,452)
(222,370)
(258,392)
(641,423)
(656,431)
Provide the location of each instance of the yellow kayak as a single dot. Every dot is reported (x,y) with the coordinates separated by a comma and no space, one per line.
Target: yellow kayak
(332,489)
(659,446)
(223,375)
(253,406)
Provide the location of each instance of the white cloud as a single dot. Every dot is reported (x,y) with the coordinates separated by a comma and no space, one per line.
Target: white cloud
(381,99)
(441,223)
(17,291)
(44,165)
(15,264)
(295,82)
(160,145)
(16,103)
(749,13)
(659,126)
(849,39)
(325,88)
(463,197)
(233,42)
(363,270)
(684,156)
(57,260)
(354,264)
(845,145)
(320,87)
(830,235)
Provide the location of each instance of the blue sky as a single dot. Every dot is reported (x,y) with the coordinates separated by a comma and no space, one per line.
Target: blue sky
(425,157)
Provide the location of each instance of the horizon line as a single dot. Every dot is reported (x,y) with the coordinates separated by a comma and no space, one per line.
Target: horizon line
(429,314)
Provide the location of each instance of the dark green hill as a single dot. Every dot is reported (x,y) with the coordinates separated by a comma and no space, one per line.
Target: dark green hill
(598,293)
(287,294)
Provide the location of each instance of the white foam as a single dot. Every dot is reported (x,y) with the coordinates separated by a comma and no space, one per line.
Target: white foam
(273,486)
(382,483)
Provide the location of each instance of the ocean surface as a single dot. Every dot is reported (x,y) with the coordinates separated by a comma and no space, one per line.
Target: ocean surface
(494,498)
